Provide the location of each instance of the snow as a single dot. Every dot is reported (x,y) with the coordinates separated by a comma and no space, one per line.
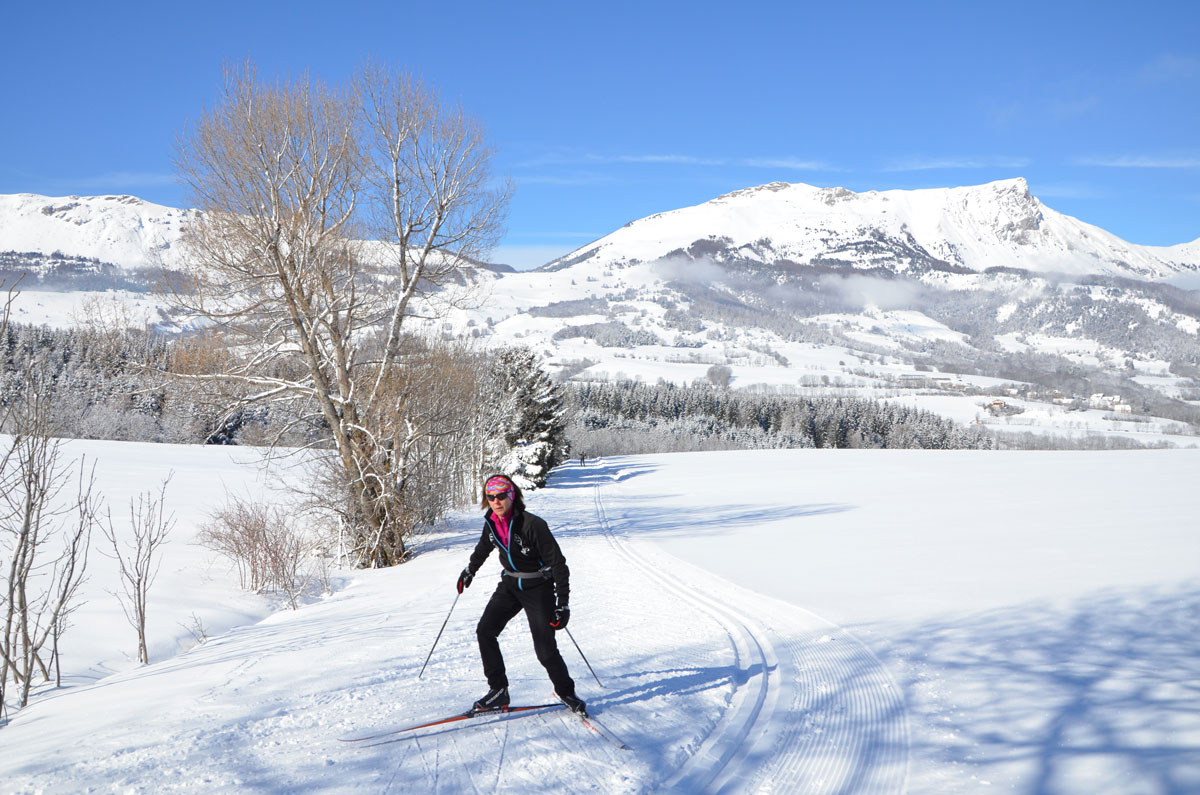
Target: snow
(767,621)
(980,226)
(985,224)
(885,328)
(123,230)
(72,308)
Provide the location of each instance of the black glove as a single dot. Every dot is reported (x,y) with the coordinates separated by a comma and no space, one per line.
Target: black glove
(464,579)
(562,614)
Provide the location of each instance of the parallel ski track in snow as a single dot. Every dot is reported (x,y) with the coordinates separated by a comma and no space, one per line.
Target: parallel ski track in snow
(813,709)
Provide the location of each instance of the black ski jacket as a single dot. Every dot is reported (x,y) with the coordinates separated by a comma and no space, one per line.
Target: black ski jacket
(531,548)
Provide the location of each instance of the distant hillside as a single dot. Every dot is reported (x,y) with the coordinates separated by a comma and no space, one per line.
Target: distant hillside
(793,288)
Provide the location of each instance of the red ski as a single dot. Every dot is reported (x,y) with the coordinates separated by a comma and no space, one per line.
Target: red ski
(591,722)
(471,713)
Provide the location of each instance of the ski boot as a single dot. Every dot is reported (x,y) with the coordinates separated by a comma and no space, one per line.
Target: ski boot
(496,699)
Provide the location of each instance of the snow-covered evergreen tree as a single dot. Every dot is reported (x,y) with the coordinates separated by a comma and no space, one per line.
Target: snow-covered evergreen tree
(530,420)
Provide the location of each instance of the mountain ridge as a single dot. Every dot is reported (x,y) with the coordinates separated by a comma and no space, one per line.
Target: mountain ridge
(998,224)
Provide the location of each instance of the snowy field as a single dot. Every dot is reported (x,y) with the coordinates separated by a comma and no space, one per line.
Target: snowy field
(781,621)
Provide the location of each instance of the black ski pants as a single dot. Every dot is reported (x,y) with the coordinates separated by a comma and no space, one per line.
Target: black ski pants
(538,604)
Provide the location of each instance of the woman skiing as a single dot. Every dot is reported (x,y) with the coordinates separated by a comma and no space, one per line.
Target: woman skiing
(535,579)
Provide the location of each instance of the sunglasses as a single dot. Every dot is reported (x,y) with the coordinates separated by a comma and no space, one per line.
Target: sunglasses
(495,497)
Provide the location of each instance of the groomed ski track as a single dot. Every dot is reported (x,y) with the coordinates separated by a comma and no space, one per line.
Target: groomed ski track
(812,708)
(788,702)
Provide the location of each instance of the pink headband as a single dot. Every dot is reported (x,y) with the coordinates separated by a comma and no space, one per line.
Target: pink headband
(499,485)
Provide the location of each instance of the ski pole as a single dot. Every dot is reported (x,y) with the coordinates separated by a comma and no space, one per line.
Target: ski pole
(439,635)
(585,661)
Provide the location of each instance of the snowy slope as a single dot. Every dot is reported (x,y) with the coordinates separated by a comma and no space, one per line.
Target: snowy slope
(999,224)
(788,621)
(122,230)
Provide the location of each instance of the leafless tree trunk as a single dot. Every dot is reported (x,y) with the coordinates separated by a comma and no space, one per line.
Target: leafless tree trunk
(290,178)
(136,553)
(47,533)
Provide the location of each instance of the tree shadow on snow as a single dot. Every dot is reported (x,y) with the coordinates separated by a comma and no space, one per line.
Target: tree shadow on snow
(599,472)
(1104,697)
(647,515)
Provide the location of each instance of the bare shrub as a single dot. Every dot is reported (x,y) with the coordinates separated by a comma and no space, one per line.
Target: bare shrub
(267,545)
(195,627)
(719,375)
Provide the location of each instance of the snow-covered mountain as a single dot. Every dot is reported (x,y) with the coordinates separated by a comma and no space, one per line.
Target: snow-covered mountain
(122,230)
(1000,224)
(997,225)
(793,287)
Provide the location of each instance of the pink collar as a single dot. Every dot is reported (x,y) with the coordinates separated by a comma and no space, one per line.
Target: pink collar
(501,524)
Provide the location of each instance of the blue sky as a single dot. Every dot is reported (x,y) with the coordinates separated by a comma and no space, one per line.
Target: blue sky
(607,112)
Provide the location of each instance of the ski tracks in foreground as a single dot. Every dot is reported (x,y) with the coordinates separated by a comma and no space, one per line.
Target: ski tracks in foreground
(813,709)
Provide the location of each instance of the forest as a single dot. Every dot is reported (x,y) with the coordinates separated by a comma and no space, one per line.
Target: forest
(632,417)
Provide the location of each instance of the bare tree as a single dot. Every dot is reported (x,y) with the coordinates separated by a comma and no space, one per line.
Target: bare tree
(136,553)
(290,178)
(719,375)
(46,532)
(429,414)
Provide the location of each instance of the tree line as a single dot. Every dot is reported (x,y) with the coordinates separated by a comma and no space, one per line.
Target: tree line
(632,417)
(478,412)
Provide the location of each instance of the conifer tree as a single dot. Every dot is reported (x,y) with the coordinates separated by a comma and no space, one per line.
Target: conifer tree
(532,420)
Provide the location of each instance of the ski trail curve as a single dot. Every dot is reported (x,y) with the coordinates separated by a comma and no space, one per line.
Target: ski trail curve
(813,709)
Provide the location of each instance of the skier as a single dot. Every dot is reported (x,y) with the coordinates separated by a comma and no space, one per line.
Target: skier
(532,561)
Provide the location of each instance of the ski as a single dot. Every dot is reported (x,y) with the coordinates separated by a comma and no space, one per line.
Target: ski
(471,713)
(591,722)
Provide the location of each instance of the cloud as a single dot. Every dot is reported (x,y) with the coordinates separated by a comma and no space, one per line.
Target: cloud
(702,270)
(1005,114)
(126,179)
(872,292)
(1064,190)
(656,159)
(592,158)
(793,163)
(1063,109)
(566,235)
(528,257)
(941,163)
(667,159)
(1169,68)
(576,169)
(1139,161)
(577,178)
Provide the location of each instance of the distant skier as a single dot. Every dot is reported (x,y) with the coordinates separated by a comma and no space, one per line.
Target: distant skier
(582,459)
(532,561)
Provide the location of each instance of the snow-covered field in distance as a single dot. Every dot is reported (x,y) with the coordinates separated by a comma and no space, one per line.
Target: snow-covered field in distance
(812,370)
(788,621)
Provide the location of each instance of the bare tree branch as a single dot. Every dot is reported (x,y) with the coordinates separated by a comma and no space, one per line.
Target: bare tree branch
(290,178)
